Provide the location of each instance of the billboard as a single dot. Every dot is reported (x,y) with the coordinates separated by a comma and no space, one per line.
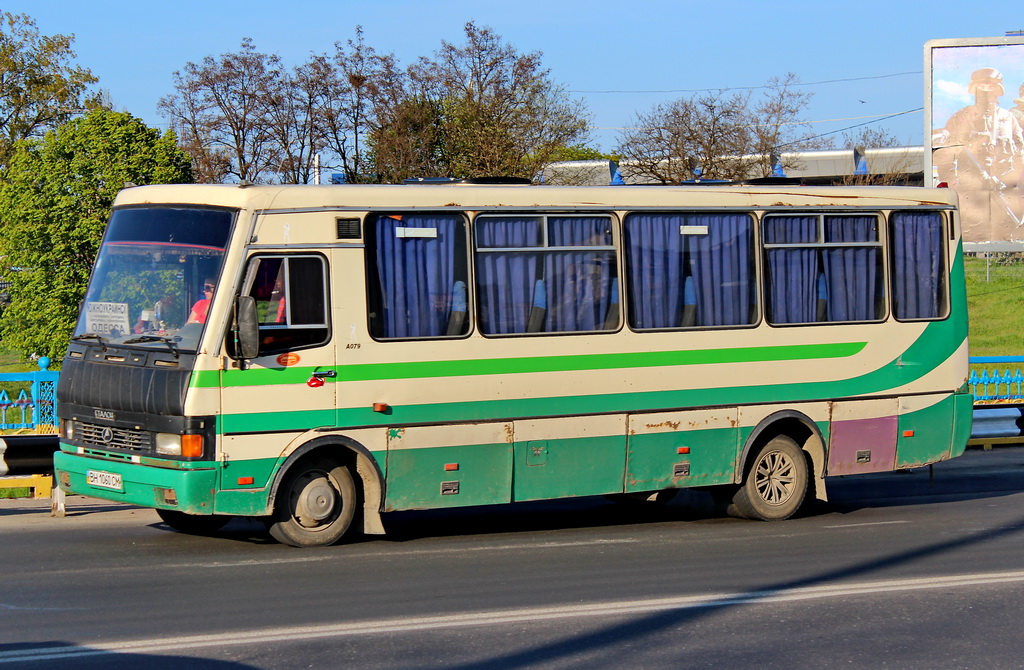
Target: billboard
(974,132)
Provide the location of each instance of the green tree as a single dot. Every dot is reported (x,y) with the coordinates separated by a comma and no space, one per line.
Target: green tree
(55,199)
(40,87)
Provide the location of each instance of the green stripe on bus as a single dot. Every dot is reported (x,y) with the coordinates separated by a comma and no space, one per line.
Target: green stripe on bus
(920,358)
(498,366)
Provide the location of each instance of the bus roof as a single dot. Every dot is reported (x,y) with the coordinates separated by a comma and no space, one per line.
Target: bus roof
(474,197)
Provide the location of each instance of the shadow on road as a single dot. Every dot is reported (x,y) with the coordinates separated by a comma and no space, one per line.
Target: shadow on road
(63,655)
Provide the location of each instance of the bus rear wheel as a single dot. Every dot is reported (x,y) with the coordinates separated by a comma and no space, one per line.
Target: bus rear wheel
(775,487)
(193,524)
(315,504)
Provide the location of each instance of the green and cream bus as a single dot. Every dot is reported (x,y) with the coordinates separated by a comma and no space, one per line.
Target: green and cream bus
(319,356)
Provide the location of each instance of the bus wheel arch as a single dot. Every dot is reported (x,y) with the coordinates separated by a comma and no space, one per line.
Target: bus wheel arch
(782,465)
(365,473)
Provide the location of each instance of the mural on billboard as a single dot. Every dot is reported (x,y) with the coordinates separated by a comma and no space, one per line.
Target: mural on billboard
(977,95)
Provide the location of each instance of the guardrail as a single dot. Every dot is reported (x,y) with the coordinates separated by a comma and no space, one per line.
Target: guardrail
(34,408)
(993,386)
(998,400)
(28,421)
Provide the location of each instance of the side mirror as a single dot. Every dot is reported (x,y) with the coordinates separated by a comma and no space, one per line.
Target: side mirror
(247,331)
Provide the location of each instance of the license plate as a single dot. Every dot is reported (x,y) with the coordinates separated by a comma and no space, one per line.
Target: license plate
(105,480)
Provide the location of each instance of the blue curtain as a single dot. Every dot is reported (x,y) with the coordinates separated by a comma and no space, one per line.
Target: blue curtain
(508,284)
(793,274)
(722,267)
(417,274)
(669,270)
(579,282)
(917,263)
(564,290)
(852,277)
(654,261)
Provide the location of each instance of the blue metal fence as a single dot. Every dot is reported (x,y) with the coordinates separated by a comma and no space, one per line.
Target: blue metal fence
(34,409)
(993,386)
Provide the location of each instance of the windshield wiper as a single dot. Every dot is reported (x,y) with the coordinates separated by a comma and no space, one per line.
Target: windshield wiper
(156,338)
(91,336)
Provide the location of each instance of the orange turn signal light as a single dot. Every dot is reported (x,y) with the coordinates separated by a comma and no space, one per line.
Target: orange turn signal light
(191,446)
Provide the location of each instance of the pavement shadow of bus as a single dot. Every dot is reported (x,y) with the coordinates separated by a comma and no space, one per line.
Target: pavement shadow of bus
(976,475)
(58,654)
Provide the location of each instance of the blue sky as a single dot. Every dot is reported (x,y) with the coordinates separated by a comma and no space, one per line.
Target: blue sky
(862,60)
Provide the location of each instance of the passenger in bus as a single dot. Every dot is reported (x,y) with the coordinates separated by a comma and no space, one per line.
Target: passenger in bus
(202,306)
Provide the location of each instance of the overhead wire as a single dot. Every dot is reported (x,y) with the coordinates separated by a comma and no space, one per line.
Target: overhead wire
(748,88)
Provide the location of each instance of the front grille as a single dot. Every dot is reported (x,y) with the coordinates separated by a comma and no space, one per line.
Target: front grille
(114,437)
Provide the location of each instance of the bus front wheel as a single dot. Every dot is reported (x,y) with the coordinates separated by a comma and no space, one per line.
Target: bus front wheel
(776,485)
(315,504)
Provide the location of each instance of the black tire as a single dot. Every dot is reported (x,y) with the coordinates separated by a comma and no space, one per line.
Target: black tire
(315,504)
(775,486)
(193,524)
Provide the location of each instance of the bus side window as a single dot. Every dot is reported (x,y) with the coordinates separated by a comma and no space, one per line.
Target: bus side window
(918,274)
(546,274)
(823,268)
(291,301)
(690,270)
(417,276)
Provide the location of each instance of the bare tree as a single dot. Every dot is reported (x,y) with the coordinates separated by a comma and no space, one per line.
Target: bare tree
(359,83)
(221,109)
(292,103)
(717,136)
(705,136)
(778,127)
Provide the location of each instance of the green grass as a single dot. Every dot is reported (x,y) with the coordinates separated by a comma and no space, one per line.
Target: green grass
(15,493)
(995,306)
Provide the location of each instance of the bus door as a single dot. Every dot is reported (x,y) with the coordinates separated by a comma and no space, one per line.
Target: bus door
(289,387)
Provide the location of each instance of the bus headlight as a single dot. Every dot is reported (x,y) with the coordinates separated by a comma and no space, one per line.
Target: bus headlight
(189,446)
(168,444)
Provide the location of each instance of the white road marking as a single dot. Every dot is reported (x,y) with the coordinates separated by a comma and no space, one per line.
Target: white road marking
(872,523)
(495,617)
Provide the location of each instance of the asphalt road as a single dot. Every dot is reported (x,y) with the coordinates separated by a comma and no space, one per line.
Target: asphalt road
(920,569)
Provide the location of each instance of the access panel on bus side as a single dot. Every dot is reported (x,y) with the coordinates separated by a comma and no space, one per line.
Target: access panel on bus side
(863,436)
(448,466)
(573,456)
(925,429)
(681,449)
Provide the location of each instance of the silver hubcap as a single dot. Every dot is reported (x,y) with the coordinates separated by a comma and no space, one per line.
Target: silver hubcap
(774,477)
(315,500)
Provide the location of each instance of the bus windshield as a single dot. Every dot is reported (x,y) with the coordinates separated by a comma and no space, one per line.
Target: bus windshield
(155,277)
